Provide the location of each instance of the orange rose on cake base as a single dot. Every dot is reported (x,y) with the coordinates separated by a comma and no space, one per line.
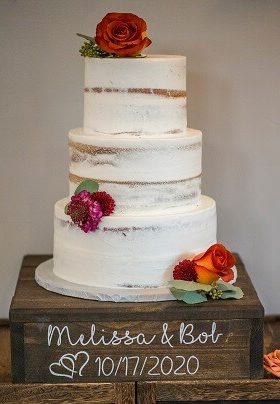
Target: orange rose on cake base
(207,275)
(215,263)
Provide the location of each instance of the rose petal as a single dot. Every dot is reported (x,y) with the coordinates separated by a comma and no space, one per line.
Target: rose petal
(227,275)
(268,360)
(205,276)
(135,49)
(276,354)
(205,260)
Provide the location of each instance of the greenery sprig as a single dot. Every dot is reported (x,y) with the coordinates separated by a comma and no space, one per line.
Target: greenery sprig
(194,292)
(90,49)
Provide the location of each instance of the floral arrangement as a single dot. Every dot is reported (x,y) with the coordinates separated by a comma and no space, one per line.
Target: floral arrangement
(272,362)
(87,206)
(205,276)
(117,35)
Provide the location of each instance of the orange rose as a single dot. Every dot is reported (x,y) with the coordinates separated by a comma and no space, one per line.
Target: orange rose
(215,263)
(122,33)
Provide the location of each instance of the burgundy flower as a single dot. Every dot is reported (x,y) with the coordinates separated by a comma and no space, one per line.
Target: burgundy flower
(106,202)
(84,211)
(185,271)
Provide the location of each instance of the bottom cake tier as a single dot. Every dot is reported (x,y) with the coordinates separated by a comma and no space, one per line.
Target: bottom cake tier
(131,251)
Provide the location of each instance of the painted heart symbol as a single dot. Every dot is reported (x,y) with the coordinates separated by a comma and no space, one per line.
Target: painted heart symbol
(68,362)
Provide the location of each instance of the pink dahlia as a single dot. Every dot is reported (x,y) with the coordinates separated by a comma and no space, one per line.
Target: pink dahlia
(84,211)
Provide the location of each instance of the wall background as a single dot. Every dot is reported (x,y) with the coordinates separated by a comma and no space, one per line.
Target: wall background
(233,82)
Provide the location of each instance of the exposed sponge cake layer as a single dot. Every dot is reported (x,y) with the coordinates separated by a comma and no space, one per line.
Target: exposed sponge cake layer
(142,175)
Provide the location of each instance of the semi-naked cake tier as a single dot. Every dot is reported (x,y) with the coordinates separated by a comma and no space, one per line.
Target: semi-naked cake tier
(131,251)
(134,96)
(141,174)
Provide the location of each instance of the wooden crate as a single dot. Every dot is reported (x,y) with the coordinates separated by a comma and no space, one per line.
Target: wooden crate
(59,339)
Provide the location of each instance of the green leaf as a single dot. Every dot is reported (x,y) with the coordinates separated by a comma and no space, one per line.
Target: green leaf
(229,291)
(188,297)
(225,285)
(233,294)
(88,38)
(190,285)
(87,185)
(66,207)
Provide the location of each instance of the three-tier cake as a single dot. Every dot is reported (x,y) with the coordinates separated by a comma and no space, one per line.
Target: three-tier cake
(136,145)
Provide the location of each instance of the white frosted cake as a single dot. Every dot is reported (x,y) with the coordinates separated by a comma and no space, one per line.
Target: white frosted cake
(135,143)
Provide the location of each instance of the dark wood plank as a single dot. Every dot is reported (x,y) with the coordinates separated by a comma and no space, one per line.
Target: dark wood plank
(63,393)
(34,260)
(256,348)
(45,304)
(5,354)
(146,393)
(125,393)
(266,389)
(17,352)
(133,361)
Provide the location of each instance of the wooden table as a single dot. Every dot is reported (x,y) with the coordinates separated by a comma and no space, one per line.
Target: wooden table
(145,392)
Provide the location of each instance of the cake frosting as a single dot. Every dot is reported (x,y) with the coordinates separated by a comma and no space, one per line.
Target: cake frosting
(135,143)
(132,251)
(135,95)
(141,174)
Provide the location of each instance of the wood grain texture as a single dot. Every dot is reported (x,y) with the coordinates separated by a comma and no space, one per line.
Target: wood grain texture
(146,393)
(267,388)
(17,352)
(124,393)
(67,393)
(256,348)
(231,350)
(5,354)
(263,389)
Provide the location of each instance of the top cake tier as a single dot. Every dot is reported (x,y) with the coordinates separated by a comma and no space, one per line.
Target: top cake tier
(135,96)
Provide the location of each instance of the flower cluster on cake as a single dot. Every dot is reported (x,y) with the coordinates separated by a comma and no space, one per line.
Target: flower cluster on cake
(207,275)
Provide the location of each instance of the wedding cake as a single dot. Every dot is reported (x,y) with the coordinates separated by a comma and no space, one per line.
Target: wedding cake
(136,146)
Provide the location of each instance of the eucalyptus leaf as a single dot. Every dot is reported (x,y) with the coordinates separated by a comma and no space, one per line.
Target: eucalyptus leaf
(233,294)
(87,185)
(88,38)
(227,287)
(224,285)
(190,285)
(192,297)
(66,208)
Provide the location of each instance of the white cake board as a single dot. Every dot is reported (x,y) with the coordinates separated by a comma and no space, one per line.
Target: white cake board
(46,278)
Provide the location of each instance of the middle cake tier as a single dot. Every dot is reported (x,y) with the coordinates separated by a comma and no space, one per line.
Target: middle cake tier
(141,174)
